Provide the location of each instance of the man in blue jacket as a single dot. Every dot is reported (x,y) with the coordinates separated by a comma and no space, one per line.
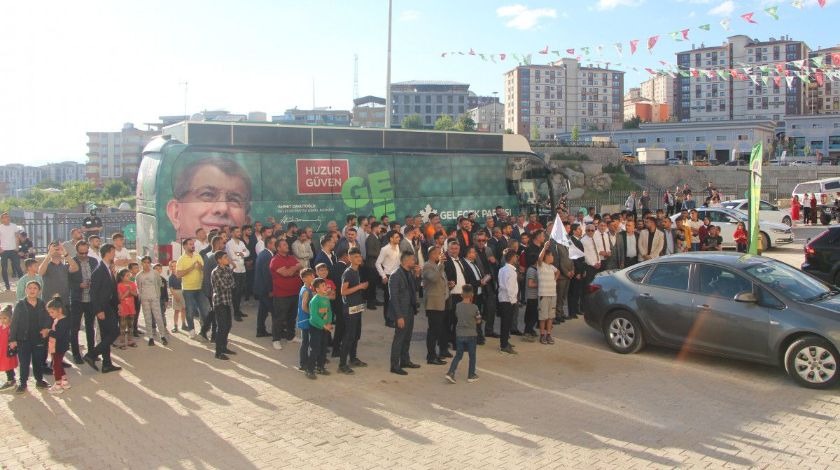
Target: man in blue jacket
(263,286)
(104,302)
(403,305)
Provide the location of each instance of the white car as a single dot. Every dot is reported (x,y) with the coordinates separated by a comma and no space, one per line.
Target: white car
(772,233)
(766,211)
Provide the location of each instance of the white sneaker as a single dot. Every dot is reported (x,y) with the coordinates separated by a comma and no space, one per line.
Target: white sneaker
(192,334)
(277,345)
(56,389)
(296,339)
(65,384)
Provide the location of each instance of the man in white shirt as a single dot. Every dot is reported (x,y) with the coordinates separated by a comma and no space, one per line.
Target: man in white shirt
(508,298)
(670,245)
(388,262)
(95,243)
(237,252)
(694,224)
(590,250)
(201,241)
(651,240)
(604,242)
(122,257)
(9,248)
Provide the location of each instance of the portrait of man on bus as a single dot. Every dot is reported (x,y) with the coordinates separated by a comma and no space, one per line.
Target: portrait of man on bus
(209,193)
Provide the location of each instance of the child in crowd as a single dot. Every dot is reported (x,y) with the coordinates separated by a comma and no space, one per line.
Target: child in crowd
(8,356)
(740,237)
(468,316)
(713,242)
(323,271)
(320,326)
(127,292)
(307,276)
(59,343)
(547,289)
(532,305)
(135,270)
(177,298)
(31,266)
(164,293)
(149,288)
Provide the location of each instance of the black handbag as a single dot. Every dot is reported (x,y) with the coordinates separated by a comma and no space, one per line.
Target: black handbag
(11,352)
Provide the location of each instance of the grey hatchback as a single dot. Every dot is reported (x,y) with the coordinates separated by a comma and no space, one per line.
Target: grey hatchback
(727,304)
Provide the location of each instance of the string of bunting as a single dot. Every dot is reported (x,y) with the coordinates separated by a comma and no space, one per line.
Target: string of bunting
(582,53)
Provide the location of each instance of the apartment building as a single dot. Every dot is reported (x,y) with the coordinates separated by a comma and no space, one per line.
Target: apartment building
(713,98)
(368,111)
(825,98)
(489,118)
(429,99)
(116,155)
(544,100)
(314,117)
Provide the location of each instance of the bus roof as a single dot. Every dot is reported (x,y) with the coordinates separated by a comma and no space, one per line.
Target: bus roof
(277,135)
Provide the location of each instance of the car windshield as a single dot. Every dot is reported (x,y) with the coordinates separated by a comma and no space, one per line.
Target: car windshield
(779,277)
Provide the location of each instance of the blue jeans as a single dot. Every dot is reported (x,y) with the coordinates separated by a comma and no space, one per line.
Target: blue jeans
(695,247)
(195,300)
(464,343)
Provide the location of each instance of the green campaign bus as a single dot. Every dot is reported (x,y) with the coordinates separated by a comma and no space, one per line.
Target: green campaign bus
(208,174)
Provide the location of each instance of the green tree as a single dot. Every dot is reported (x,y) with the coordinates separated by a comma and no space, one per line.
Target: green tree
(632,123)
(444,123)
(465,124)
(508,131)
(116,188)
(535,131)
(575,134)
(412,122)
(44,184)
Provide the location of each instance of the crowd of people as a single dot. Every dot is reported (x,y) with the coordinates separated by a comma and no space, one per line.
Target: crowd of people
(473,281)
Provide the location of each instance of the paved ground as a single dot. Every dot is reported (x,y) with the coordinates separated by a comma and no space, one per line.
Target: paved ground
(574,404)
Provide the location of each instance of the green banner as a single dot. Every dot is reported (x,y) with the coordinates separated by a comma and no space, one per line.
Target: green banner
(756,158)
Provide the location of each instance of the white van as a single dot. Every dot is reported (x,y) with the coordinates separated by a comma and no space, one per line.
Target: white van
(827,190)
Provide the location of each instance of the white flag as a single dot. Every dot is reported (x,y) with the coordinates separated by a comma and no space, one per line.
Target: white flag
(558,234)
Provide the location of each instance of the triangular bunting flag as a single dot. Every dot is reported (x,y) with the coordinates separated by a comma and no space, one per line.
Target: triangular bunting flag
(724,23)
(799,63)
(585,50)
(650,71)
(821,2)
(722,74)
(780,67)
(773,12)
(797,4)
(820,77)
(483,57)
(516,57)
(619,48)
(675,35)
(818,61)
(835,59)
(634,43)
(493,58)
(544,51)
(652,42)
(599,49)
(685,34)
(570,51)
(472,52)
(748,17)
(527,59)
(443,55)
(804,78)
(754,79)
(502,56)
(777,81)
(789,81)
(695,73)
(557,53)
(765,80)
(705,27)
(710,74)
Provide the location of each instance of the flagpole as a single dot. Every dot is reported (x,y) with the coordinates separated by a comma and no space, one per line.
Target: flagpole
(388,72)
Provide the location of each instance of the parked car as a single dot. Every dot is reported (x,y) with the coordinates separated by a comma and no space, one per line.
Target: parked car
(673,161)
(725,304)
(822,256)
(766,211)
(772,233)
(827,190)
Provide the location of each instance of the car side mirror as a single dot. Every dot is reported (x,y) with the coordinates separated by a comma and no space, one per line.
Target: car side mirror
(747,297)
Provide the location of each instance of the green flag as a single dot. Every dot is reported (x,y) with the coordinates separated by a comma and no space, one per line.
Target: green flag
(756,158)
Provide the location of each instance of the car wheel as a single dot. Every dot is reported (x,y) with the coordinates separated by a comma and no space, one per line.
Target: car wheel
(787,221)
(765,242)
(812,362)
(623,332)
(825,219)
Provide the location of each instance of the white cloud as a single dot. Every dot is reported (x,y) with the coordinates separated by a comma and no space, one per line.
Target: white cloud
(522,17)
(410,15)
(612,4)
(724,9)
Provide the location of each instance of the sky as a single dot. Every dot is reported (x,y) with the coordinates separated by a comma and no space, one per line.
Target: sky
(67,68)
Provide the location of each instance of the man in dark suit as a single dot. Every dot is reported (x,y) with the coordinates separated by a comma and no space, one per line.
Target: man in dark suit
(104,302)
(578,281)
(80,299)
(263,285)
(402,307)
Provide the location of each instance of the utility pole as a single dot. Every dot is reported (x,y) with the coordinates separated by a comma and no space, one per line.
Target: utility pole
(388,72)
(186,85)
(355,76)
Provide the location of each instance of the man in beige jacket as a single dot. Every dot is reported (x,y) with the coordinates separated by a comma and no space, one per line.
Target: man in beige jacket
(650,247)
(435,293)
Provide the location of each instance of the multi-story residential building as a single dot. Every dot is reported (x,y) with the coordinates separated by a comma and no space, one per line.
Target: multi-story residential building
(489,118)
(64,172)
(314,117)
(429,100)
(116,155)
(712,98)
(544,100)
(369,111)
(658,89)
(825,98)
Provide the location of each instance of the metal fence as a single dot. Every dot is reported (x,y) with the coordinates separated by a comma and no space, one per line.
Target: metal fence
(44,227)
(770,194)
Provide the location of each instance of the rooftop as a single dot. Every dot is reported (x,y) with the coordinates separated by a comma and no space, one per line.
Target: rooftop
(431,82)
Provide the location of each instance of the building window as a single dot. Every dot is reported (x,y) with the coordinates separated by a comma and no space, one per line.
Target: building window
(700,138)
(679,139)
(720,138)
